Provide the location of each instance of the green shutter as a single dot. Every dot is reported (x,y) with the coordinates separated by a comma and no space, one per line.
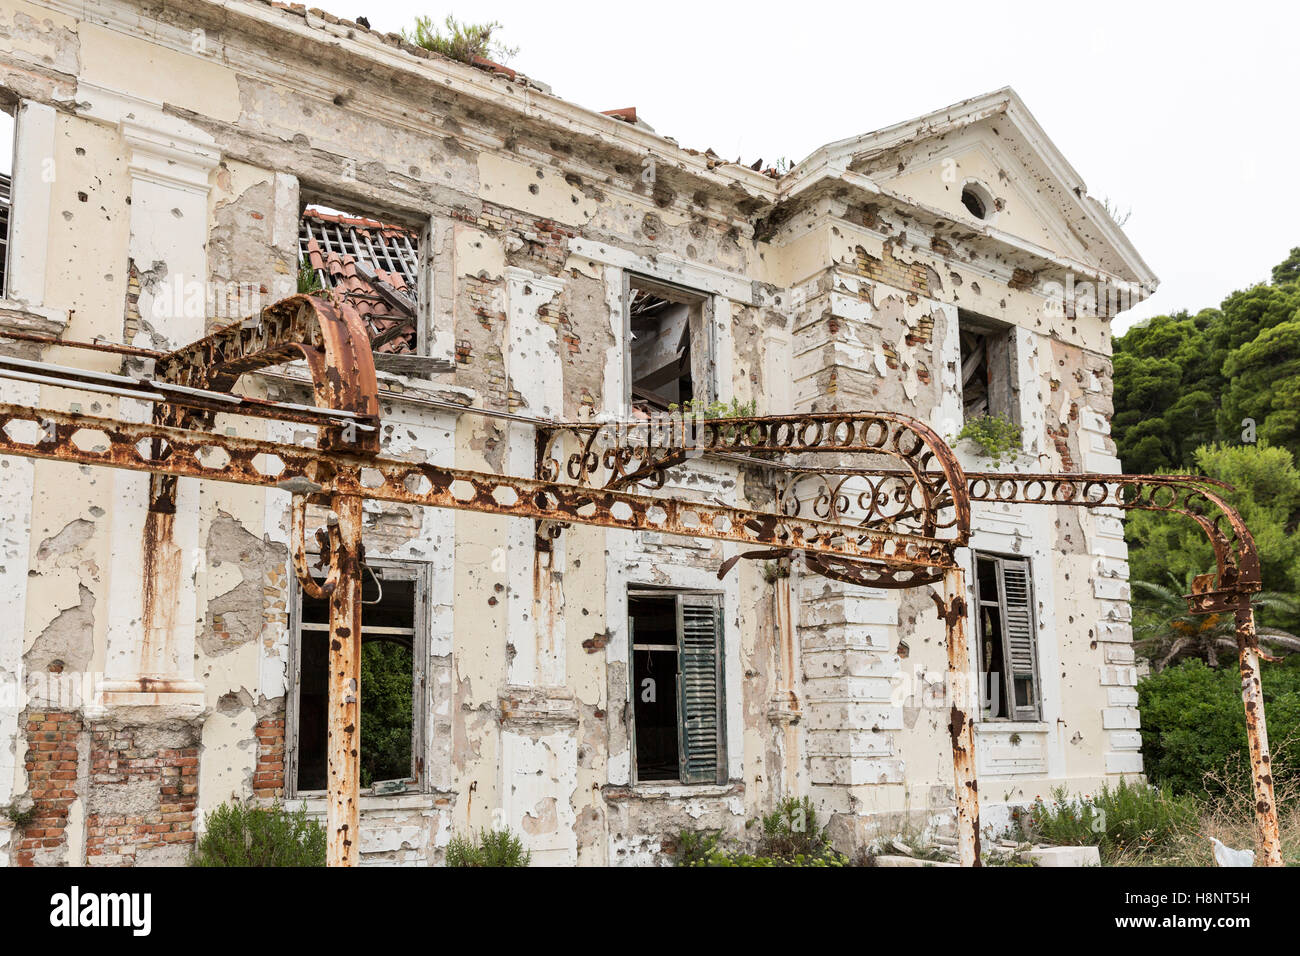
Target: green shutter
(702,751)
(1018,621)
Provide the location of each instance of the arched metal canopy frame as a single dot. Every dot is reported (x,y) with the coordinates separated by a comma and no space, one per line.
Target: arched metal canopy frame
(875,523)
(882,497)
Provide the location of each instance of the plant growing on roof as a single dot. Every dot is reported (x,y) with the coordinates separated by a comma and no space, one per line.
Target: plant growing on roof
(459,41)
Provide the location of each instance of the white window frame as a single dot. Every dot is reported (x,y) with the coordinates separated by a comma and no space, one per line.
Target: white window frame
(1015,714)
(721,717)
(421,690)
(708,309)
(419,223)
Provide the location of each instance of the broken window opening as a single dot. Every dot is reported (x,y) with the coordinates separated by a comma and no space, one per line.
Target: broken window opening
(989,385)
(7,143)
(375,265)
(392,681)
(973,203)
(1007,641)
(669,355)
(678,721)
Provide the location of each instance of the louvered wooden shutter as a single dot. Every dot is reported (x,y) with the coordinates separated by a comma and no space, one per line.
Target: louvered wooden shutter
(699,688)
(1018,621)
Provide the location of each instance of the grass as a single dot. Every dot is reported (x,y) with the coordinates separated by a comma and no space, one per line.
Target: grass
(1137,825)
(488,848)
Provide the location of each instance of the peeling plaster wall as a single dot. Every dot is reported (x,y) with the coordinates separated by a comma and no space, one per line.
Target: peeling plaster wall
(194,166)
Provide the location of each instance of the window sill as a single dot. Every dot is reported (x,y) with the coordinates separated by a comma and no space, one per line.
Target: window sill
(392,386)
(988,726)
(671,791)
(395,801)
(24,317)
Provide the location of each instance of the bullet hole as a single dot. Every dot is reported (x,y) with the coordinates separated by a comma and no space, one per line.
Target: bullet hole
(81,151)
(82,197)
(67,215)
(533,188)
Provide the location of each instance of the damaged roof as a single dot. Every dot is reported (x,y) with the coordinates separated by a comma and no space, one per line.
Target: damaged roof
(754,190)
(371,264)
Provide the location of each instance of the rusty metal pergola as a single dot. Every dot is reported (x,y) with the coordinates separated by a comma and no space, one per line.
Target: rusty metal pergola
(887,503)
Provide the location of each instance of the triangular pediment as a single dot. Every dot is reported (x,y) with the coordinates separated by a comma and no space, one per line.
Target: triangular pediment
(992,146)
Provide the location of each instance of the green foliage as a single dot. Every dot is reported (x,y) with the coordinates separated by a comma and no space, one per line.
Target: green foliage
(1263,383)
(698,408)
(1288,270)
(459,41)
(488,848)
(308,279)
(17,815)
(996,435)
(696,847)
(1124,819)
(1193,724)
(792,829)
(1183,381)
(1165,630)
(240,835)
(774,571)
(788,836)
(386,711)
(1267,493)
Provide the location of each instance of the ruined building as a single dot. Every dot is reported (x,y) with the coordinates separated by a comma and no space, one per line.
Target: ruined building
(519,260)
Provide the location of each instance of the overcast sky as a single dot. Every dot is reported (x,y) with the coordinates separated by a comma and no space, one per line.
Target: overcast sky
(1183,113)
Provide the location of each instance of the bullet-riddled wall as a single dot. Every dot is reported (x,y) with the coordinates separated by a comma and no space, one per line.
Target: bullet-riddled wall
(163,159)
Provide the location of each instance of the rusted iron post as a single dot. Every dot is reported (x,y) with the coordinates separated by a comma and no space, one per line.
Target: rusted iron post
(1268,839)
(342,813)
(952,609)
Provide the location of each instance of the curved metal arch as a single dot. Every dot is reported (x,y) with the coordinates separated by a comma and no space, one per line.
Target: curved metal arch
(1237,573)
(617,454)
(327,333)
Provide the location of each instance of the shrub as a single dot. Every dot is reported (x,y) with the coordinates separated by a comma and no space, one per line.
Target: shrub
(997,436)
(1193,723)
(18,814)
(460,41)
(792,830)
(308,279)
(694,847)
(487,848)
(789,836)
(239,835)
(1125,819)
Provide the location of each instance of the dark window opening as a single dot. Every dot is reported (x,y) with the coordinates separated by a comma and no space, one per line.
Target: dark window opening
(677,692)
(374,265)
(974,203)
(654,684)
(988,373)
(668,352)
(1008,652)
(390,684)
